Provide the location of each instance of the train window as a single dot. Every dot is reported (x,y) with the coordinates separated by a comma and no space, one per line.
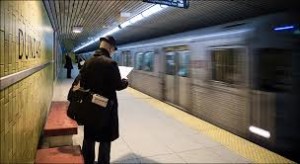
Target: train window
(139,61)
(148,61)
(116,57)
(274,73)
(226,65)
(170,63)
(127,58)
(183,64)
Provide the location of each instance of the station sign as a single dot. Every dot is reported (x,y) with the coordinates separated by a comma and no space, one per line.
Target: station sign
(173,3)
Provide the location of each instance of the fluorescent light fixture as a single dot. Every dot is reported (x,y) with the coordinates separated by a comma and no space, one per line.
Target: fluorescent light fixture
(116,29)
(152,10)
(283,28)
(97,38)
(148,12)
(125,24)
(77,29)
(260,131)
(136,18)
(125,14)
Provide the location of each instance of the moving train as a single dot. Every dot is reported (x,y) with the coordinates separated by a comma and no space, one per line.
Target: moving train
(242,76)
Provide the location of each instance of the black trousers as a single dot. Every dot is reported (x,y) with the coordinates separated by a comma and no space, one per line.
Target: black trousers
(88,150)
(69,73)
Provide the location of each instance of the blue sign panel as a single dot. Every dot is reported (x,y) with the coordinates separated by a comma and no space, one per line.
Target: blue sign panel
(174,3)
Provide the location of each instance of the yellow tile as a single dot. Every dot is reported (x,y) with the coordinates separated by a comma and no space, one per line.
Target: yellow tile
(10,109)
(16,96)
(13,24)
(10,49)
(1,47)
(9,21)
(5,95)
(2,147)
(6,22)
(2,115)
(9,69)
(14,110)
(6,123)
(2,16)
(1,70)
(8,139)
(21,8)
(17,54)
(13,55)
(14,139)
(6,56)
(17,5)
(19,139)
(2,94)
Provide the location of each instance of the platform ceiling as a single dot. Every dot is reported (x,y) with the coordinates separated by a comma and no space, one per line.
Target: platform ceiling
(100,16)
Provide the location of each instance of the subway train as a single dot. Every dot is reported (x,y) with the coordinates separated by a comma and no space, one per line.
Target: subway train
(242,76)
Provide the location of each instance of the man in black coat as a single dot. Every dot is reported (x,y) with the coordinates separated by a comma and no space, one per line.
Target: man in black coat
(68,65)
(101,75)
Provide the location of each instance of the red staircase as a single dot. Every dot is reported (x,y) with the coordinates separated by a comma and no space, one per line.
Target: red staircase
(58,128)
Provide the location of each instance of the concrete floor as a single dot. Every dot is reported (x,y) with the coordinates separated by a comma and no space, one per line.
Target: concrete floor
(148,135)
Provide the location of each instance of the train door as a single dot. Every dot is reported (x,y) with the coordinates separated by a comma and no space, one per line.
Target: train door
(271,105)
(176,79)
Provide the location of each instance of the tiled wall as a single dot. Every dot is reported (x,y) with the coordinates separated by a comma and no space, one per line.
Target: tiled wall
(26,38)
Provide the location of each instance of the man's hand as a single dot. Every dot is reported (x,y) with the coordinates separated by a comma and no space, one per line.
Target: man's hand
(76,87)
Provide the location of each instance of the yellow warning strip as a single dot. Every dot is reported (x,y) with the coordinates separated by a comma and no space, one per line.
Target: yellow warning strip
(241,146)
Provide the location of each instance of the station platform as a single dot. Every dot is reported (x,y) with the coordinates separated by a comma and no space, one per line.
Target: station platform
(152,131)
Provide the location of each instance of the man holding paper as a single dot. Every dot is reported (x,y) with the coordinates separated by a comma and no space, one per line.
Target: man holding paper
(101,75)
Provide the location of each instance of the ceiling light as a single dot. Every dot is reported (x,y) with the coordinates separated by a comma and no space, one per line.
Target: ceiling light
(148,12)
(112,31)
(164,6)
(125,24)
(125,14)
(152,10)
(136,18)
(77,29)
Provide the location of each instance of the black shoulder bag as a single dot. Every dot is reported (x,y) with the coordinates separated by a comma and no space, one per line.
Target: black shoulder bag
(81,101)
(77,97)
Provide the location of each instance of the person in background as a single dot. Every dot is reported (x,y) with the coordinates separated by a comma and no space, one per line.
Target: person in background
(68,65)
(101,75)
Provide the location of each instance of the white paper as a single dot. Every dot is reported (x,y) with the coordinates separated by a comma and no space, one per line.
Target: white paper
(124,71)
(82,62)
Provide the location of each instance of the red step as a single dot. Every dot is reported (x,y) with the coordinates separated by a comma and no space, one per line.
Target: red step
(58,123)
(65,154)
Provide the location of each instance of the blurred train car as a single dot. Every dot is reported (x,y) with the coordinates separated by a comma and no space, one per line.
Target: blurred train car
(242,76)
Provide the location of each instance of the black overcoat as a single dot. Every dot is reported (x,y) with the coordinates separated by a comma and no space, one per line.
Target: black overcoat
(101,75)
(68,64)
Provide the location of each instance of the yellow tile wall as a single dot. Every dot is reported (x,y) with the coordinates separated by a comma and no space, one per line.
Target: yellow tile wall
(24,105)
